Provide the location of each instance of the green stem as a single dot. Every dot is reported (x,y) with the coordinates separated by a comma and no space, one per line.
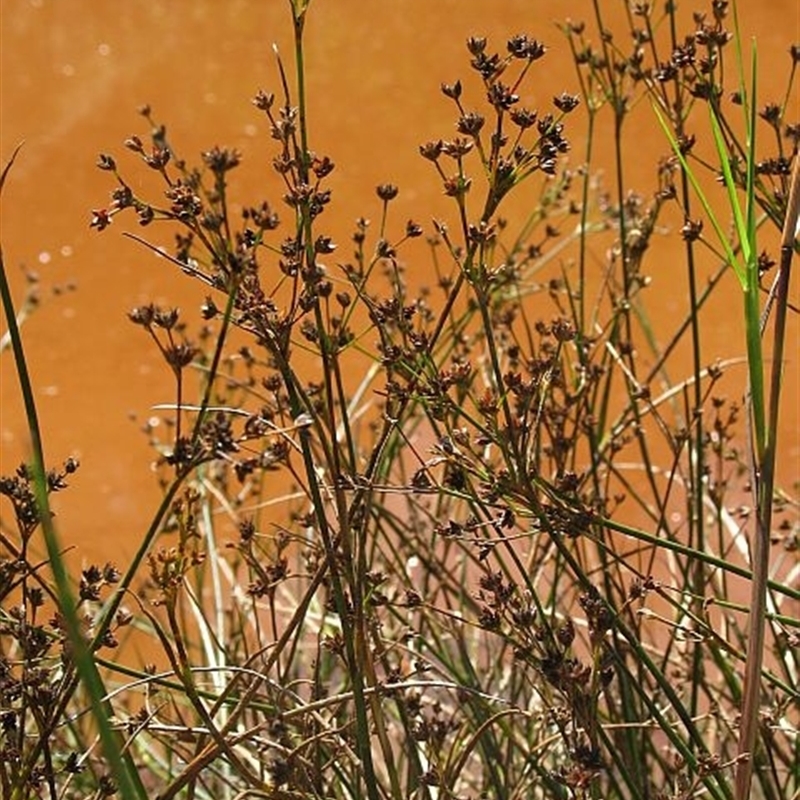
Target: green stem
(764,494)
(123,769)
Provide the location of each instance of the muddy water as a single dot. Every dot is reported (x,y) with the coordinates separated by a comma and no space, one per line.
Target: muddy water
(73,73)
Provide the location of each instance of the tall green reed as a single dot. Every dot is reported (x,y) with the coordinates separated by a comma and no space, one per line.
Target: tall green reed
(442,576)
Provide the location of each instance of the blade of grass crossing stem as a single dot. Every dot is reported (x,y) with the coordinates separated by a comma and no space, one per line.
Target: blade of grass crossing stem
(745,239)
(761,478)
(750,197)
(123,770)
(755,350)
(730,256)
(762,460)
(746,234)
(747,273)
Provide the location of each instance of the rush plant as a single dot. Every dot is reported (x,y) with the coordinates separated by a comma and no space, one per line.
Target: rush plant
(469,536)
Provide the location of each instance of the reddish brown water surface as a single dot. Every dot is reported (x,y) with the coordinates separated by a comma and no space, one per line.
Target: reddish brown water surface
(73,74)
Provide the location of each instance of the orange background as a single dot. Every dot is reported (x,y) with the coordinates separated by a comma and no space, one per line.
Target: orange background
(73,74)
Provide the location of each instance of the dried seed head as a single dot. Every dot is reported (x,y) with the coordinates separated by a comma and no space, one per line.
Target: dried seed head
(158,158)
(489,67)
(457,186)
(134,143)
(452,90)
(686,143)
(765,262)
(565,633)
(384,249)
(106,162)
(501,97)
(563,330)
(523,117)
(691,230)
(413,229)
(470,124)
(142,315)
(476,44)
(263,100)
(566,102)
(482,232)
(146,215)
(221,159)
(106,786)
(324,245)
(165,318)
(185,203)
(283,163)
(387,192)
(431,150)
(520,46)
(209,309)
(458,148)
(180,355)
(665,72)
(121,197)
(322,166)
(771,113)
(263,216)
(101,219)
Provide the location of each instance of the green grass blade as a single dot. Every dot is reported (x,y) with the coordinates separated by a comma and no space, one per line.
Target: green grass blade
(746,234)
(726,245)
(751,174)
(730,186)
(755,354)
(123,770)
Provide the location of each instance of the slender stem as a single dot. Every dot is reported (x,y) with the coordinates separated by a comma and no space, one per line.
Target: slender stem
(85,668)
(697,451)
(763,491)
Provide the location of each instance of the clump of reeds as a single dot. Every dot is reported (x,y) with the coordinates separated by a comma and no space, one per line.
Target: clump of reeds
(467,538)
